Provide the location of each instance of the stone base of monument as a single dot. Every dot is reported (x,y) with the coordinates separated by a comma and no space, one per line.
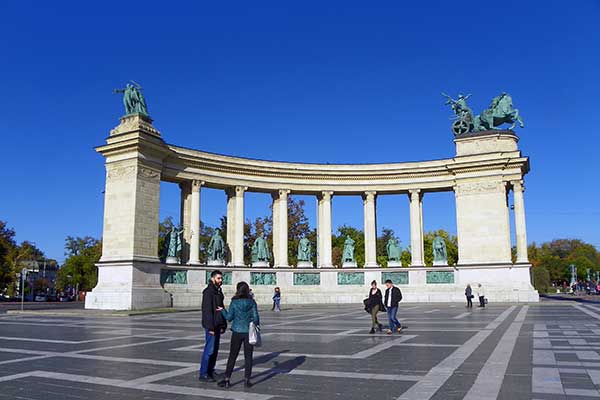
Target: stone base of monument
(349,264)
(172,260)
(128,285)
(215,263)
(305,264)
(260,264)
(440,263)
(502,283)
(394,264)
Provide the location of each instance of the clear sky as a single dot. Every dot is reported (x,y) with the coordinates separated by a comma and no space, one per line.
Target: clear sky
(309,81)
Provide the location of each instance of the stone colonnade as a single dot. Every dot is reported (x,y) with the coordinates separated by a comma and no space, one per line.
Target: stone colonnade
(486,166)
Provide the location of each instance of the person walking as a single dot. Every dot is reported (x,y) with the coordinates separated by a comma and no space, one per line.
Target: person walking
(242,311)
(469,295)
(374,305)
(214,325)
(393,295)
(277,300)
(481,295)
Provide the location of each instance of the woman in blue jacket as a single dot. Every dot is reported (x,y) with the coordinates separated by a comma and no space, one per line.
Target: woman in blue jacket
(242,311)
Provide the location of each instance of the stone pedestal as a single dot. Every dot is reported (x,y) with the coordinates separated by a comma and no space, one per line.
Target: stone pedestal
(440,263)
(172,260)
(305,264)
(260,264)
(348,264)
(394,264)
(215,263)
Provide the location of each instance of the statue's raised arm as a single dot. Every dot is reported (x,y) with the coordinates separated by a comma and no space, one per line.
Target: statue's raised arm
(133,99)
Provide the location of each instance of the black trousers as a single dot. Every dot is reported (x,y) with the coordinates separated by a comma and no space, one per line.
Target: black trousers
(237,339)
(481,301)
(469,301)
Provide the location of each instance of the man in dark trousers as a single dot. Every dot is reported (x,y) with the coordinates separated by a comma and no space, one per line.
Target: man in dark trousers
(213,323)
(392,298)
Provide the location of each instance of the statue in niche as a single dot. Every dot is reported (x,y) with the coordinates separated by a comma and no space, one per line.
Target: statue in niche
(304,250)
(440,255)
(216,247)
(133,99)
(173,245)
(348,252)
(260,250)
(393,250)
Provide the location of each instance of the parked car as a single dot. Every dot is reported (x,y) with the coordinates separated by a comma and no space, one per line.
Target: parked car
(40,297)
(63,297)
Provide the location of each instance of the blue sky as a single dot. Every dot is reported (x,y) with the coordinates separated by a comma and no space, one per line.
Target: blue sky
(272,80)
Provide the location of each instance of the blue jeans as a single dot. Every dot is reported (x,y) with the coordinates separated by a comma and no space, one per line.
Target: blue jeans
(277,304)
(394,323)
(211,351)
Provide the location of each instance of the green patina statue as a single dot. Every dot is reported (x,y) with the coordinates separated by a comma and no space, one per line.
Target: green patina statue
(216,247)
(260,250)
(304,250)
(393,250)
(348,252)
(133,99)
(440,255)
(173,243)
(499,112)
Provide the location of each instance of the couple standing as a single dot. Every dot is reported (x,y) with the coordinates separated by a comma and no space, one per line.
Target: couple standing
(242,311)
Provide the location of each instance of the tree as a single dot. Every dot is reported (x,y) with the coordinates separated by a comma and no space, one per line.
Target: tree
(451,246)
(16,260)
(337,242)
(7,245)
(541,279)
(80,266)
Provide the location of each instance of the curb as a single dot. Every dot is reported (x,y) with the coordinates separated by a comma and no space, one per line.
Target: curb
(575,299)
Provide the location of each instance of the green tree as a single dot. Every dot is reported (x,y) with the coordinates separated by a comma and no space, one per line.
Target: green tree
(7,244)
(80,266)
(338,240)
(451,246)
(541,279)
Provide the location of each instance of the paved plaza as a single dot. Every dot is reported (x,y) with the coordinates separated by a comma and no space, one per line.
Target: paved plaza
(536,351)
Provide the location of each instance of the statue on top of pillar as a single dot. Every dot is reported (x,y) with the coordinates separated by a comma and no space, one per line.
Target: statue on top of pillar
(216,249)
(440,254)
(133,99)
(173,245)
(260,251)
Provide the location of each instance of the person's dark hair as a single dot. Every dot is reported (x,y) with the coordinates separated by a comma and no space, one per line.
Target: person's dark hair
(374,283)
(389,281)
(277,289)
(215,273)
(242,291)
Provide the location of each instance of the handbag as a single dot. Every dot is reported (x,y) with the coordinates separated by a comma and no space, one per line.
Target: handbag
(254,334)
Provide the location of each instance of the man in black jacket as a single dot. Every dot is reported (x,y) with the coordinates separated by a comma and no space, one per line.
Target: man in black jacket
(213,323)
(393,295)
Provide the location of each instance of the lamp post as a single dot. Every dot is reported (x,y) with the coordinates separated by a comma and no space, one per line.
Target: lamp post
(23,278)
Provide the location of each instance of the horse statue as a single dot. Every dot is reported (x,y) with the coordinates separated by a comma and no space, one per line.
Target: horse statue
(500,111)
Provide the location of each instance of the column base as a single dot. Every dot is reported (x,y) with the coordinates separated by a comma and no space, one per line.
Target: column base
(128,285)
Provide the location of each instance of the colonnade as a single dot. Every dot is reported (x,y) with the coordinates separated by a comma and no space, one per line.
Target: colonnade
(235,225)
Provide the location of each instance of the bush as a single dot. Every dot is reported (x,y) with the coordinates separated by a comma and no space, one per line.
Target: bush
(541,279)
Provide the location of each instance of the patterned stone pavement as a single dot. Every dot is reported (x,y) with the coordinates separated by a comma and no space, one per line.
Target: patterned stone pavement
(537,351)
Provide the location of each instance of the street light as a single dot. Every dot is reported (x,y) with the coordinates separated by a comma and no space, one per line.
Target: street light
(23,278)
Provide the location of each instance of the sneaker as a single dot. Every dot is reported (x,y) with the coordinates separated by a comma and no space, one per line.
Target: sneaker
(372,331)
(389,331)
(206,378)
(380,328)
(224,383)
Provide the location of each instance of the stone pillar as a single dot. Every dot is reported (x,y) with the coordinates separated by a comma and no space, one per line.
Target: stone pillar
(520,230)
(276,227)
(195,224)
(325,229)
(129,269)
(282,230)
(238,245)
(185,218)
(370,229)
(319,231)
(230,224)
(416,228)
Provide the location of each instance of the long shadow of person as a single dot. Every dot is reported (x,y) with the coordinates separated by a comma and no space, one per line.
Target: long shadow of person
(279,368)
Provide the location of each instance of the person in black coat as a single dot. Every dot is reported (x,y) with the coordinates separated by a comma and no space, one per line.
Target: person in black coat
(469,295)
(374,305)
(393,295)
(214,325)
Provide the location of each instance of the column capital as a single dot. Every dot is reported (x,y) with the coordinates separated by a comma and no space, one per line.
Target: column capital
(239,190)
(414,193)
(196,184)
(369,195)
(283,192)
(326,195)
(518,185)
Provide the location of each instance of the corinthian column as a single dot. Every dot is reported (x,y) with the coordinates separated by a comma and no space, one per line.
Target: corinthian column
(325,229)
(520,229)
(416,228)
(195,224)
(282,229)
(370,228)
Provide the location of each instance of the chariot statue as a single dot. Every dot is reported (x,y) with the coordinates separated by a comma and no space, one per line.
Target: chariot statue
(499,112)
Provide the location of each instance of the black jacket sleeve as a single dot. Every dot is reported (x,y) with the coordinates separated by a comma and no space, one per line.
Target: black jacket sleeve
(208,311)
